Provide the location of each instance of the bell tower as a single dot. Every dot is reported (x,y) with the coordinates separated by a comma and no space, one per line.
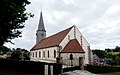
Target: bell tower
(41,32)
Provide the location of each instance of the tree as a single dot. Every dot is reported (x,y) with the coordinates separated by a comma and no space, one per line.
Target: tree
(18,53)
(12,18)
(100,53)
(108,50)
(4,49)
(117,49)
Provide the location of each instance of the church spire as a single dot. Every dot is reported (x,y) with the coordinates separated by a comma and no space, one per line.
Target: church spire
(41,26)
(41,32)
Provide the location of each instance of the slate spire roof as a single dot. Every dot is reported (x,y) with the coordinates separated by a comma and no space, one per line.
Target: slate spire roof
(41,23)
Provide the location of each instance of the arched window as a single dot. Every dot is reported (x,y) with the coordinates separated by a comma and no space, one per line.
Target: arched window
(71,56)
(54,53)
(39,54)
(48,54)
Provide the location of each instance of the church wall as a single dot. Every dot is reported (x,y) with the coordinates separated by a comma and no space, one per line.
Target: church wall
(73,33)
(44,56)
(78,35)
(69,36)
(66,58)
(83,42)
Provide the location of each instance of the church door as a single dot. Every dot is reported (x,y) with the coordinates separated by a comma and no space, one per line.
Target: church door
(71,58)
(81,63)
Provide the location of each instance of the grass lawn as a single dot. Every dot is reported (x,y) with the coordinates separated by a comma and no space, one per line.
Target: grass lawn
(2,57)
(115,73)
(111,73)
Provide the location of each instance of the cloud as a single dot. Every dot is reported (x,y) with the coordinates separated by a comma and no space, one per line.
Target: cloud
(113,9)
(98,20)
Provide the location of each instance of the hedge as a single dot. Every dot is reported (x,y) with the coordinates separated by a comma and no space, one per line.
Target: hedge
(102,69)
(28,66)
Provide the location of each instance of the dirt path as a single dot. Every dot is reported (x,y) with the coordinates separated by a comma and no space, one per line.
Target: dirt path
(78,72)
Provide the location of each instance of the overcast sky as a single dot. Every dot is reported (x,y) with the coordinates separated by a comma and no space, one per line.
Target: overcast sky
(97,20)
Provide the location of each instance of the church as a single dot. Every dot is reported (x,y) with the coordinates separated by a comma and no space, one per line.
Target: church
(68,45)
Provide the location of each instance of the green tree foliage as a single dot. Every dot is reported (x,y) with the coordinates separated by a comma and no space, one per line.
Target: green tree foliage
(16,54)
(4,49)
(108,50)
(19,53)
(116,60)
(117,49)
(100,53)
(12,18)
(109,53)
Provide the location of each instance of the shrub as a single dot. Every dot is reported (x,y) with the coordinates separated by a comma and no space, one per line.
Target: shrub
(28,66)
(102,69)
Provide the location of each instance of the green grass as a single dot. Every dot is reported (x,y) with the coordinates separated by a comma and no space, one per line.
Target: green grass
(2,57)
(110,73)
(113,53)
(115,73)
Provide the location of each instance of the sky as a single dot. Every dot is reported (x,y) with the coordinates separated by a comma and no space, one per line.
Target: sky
(97,20)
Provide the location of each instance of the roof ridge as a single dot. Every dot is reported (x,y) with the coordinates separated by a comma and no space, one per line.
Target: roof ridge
(59,32)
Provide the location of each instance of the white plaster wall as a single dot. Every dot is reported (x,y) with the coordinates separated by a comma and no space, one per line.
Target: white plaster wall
(65,40)
(46,58)
(84,45)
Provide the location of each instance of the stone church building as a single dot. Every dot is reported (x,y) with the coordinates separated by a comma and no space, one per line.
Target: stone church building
(68,45)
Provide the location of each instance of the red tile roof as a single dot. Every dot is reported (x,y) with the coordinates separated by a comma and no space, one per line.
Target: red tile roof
(73,46)
(53,40)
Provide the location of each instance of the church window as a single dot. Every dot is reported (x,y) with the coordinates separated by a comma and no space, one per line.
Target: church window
(43,53)
(39,54)
(42,35)
(36,54)
(48,54)
(33,54)
(71,56)
(54,53)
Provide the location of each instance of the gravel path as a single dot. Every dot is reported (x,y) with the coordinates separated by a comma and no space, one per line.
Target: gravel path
(78,72)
